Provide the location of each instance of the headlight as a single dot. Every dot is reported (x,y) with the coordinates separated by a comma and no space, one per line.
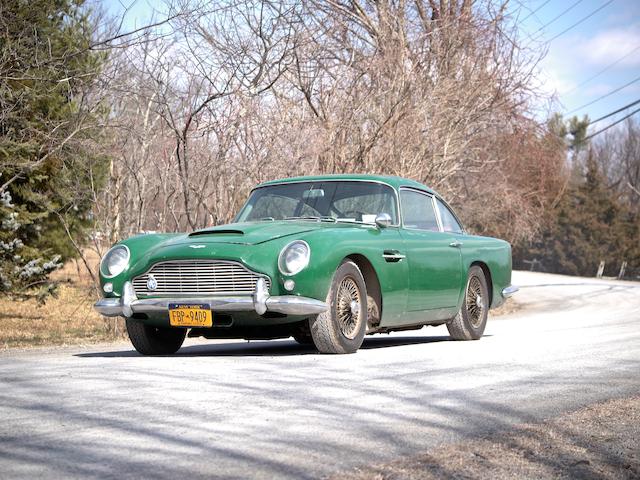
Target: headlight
(115,261)
(294,257)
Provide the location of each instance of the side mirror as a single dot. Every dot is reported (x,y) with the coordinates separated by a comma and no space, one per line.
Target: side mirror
(383,220)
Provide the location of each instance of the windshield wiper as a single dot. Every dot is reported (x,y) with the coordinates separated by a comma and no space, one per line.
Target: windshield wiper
(312,217)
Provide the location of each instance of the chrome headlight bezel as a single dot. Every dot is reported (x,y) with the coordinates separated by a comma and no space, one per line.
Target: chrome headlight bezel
(302,248)
(106,265)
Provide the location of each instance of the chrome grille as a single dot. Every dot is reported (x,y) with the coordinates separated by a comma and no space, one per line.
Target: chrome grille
(198,277)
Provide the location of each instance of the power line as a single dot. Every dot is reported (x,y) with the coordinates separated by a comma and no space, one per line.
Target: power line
(614,112)
(581,20)
(558,16)
(608,67)
(533,12)
(612,125)
(604,96)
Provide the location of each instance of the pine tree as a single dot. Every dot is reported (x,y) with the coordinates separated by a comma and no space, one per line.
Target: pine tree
(46,171)
(588,225)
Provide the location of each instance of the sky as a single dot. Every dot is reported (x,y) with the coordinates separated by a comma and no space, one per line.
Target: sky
(593,48)
(611,34)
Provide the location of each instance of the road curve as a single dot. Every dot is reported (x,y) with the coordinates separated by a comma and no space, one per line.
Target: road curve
(275,409)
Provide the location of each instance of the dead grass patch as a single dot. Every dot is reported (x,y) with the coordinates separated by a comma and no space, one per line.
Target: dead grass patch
(66,319)
(507,308)
(596,442)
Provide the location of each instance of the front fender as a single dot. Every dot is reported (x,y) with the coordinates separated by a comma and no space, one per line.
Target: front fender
(140,247)
(329,249)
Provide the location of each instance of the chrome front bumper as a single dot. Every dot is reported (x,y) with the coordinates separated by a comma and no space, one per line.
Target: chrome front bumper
(260,302)
(509,291)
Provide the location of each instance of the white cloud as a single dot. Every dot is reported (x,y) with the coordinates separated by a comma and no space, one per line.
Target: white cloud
(610,45)
(557,73)
(556,82)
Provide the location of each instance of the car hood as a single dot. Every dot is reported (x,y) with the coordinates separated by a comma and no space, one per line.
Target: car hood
(252,233)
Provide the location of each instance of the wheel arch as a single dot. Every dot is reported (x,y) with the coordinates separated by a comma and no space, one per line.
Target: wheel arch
(487,274)
(371,279)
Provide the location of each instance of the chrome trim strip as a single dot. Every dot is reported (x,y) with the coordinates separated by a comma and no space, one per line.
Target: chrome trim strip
(292,305)
(260,297)
(109,307)
(287,304)
(434,199)
(218,304)
(509,291)
(436,212)
(260,302)
(128,297)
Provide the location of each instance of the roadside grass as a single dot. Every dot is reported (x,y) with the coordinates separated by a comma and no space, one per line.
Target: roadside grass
(508,307)
(66,319)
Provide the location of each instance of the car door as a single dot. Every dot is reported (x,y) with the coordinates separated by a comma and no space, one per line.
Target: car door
(433,256)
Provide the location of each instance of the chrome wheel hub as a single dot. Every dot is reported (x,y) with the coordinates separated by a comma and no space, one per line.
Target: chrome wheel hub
(355,307)
(475,302)
(348,312)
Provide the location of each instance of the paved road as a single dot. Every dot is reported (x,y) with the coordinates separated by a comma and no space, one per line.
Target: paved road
(274,409)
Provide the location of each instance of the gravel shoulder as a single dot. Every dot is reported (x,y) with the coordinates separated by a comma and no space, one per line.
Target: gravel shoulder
(600,441)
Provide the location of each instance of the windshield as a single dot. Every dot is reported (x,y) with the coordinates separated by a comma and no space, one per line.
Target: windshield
(330,200)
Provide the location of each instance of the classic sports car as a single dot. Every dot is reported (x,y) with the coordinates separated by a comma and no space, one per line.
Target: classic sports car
(324,259)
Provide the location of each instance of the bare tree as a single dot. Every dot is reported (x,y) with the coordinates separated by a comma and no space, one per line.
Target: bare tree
(246,91)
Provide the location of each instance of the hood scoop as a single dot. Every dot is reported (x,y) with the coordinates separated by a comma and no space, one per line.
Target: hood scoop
(221,231)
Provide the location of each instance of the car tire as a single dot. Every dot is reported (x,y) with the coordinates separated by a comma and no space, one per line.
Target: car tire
(471,320)
(303,338)
(149,340)
(342,327)
(302,335)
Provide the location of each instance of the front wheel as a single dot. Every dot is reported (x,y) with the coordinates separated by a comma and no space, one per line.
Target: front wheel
(303,335)
(471,320)
(149,340)
(342,327)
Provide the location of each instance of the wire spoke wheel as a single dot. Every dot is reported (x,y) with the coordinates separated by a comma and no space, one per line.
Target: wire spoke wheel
(348,307)
(342,327)
(475,303)
(471,319)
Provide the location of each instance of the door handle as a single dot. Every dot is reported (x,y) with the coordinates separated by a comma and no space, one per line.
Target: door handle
(455,244)
(393,256)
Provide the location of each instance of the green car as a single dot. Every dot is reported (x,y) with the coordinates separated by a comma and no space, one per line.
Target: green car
(325,259)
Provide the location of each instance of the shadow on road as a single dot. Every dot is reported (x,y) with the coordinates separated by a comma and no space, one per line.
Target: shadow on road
(269,348)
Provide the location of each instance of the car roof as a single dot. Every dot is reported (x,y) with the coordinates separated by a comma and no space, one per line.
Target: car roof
(395,182)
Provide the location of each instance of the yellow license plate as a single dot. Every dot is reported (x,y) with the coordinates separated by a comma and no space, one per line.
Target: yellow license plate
(190,315)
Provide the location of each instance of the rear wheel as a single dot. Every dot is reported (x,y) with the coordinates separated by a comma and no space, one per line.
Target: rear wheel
(471,320)
(150,340)
(342,327)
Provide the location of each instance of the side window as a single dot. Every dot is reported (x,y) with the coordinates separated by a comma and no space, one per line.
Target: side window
(449,221)
(417,211)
